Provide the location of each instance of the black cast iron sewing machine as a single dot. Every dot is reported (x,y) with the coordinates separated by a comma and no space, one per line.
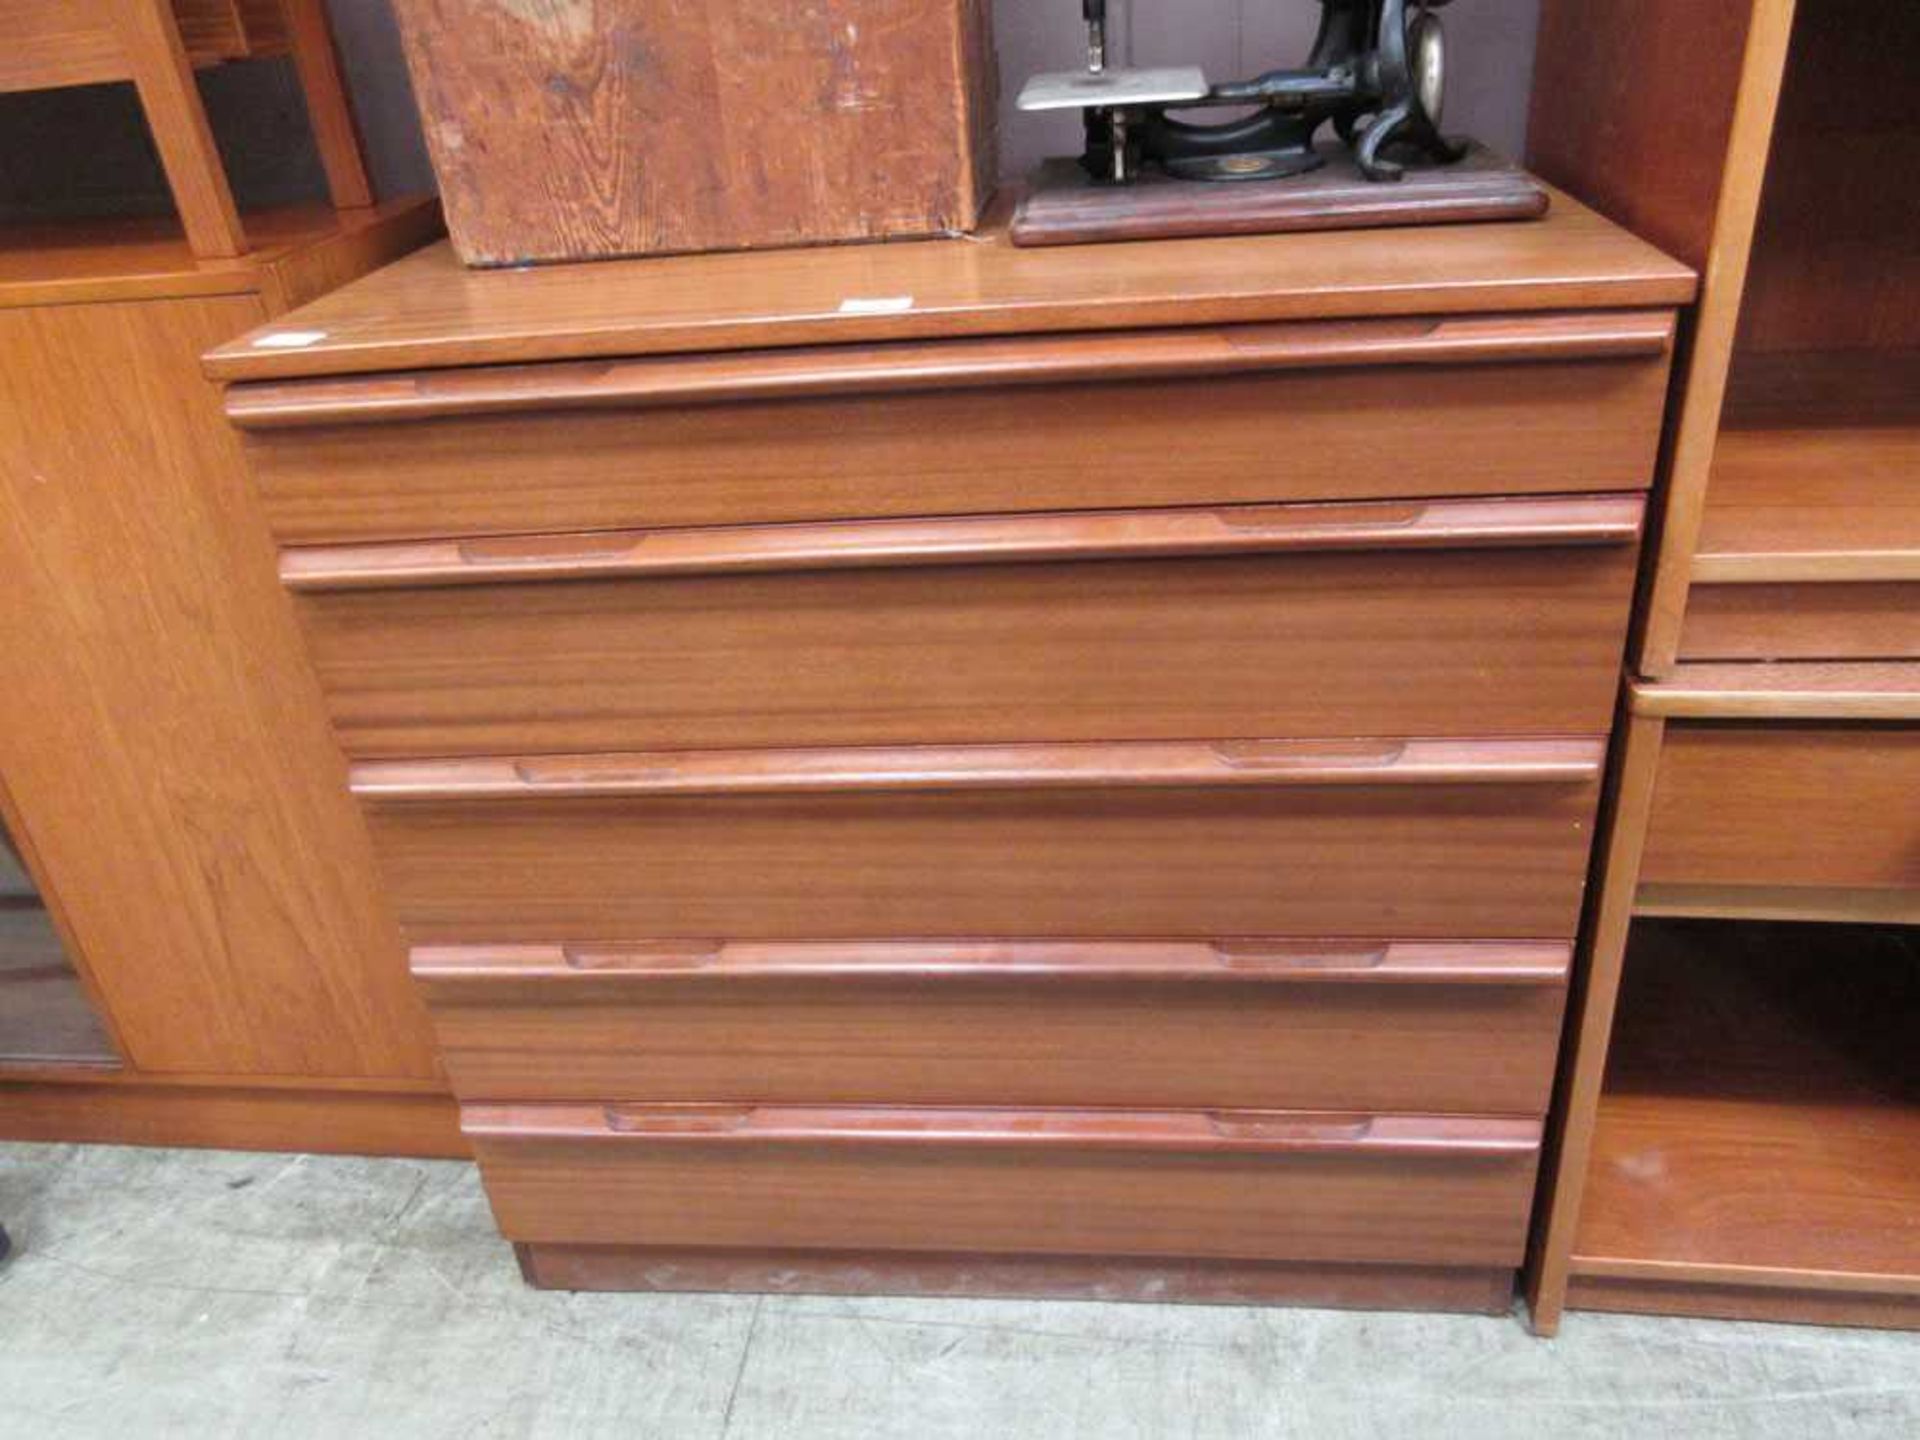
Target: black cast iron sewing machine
(1376,76)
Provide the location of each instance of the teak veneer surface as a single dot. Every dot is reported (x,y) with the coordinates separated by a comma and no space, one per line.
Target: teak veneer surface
(163,742)
(1786,804)
(1821,620)
(1466,1028)
(1090,841)
(1418,629)
(572,455)
(298,252)
(1759,1114)
(429,310)
(1244,1184)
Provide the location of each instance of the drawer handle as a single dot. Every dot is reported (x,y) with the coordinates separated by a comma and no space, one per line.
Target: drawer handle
(1249,1132)
(1133,764)
(1249,959)
(1552,520)
(963,364)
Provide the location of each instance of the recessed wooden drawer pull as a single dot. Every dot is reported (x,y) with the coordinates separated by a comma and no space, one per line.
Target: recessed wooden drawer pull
(1494,962)
(1273,1131)
(870,544)
(989,767)
(951,365)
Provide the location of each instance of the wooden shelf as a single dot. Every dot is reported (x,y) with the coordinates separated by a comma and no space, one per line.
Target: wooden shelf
(1814,476)
(147,257)
(1760,1125)
(45,1017)
(1788,690)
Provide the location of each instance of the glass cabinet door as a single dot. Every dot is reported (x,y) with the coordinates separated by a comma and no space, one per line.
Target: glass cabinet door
(45,1016)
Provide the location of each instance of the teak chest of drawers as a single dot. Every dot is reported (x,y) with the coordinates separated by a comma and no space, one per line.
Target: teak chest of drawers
(946,768)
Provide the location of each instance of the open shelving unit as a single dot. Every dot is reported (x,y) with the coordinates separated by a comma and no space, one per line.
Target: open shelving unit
(1760,1122)
(1739,1125)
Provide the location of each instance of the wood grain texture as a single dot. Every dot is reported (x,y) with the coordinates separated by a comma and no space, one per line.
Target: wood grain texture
(1592,1002)
(336,135)
(162,75)
(1812,477)
(624,127)
(1644,142)
(1066,206)
(1483,1291)
(1216,764)
(1256,1185)
(52,43)
(1257,1024)
(1744,96)
(1374,432)
(1833,264)
(297,252)
(897,366)
(1422,861)
(231,1117)
(430,311)
(162,737)
(1688,1296)
(691,652)
(1758,1128)
(1788,805)
(971,540)
(1821,620)
(1824,903)
(1795,691)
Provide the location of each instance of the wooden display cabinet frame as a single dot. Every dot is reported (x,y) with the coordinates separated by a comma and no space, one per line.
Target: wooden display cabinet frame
(1786,609)
(158,45)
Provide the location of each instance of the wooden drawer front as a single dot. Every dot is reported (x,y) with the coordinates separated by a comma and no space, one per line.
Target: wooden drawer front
(1461,617)
(1424,839)
(1304,411)
(1859,620)
(1467,1028)
(1240,1184)
(1786,805)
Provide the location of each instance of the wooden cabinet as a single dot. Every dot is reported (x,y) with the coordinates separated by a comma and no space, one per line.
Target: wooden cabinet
(166,768)
(165,755)
(1769,772)
(1082,783)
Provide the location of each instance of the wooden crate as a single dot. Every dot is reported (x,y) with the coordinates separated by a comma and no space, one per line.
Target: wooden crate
(579,129)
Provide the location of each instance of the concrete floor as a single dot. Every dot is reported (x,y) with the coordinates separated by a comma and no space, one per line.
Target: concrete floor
(193,1293)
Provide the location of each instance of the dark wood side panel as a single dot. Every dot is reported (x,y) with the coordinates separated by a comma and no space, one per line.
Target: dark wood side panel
(1253,1185)
(1786,805)
(1469,1028)
(1430,642)
(1223,439)
(1642,141)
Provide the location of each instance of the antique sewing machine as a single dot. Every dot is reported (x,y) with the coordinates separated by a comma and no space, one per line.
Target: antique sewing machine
(1376,76)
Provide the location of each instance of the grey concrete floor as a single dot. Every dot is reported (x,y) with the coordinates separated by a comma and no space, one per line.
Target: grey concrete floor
(209,1294)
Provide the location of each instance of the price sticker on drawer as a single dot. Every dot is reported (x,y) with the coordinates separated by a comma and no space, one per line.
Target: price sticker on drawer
(876,305)
(289,339)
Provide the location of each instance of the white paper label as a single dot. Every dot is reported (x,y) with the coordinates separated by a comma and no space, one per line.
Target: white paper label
(876,305)
(289,339)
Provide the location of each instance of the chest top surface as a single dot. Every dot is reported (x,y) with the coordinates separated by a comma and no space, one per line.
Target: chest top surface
(429,311)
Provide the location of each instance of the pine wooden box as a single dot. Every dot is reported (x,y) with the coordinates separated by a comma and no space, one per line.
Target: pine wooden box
(595,128)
